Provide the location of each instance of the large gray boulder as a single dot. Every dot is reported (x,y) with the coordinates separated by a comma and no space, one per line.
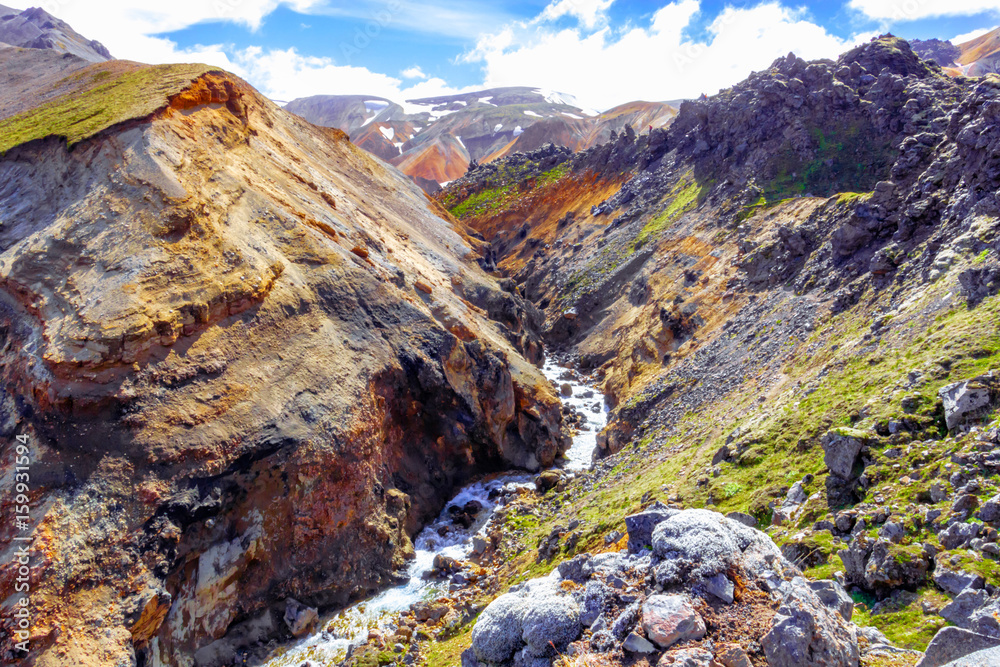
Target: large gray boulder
(640,526)
(549,623)
(989,657)
(498,631)
(833,595)
(953,643)
(841,448)
(804,633)
(696,544)
(964,401)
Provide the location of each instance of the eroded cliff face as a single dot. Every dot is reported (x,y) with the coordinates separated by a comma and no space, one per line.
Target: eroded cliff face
(250,361)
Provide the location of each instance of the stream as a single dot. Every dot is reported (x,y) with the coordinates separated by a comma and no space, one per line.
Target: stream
(445,537)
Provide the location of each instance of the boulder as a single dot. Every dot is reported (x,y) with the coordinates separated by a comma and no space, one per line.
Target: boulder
(803,635)
(640,526)
(686,657)
(990,511)
(953,643)
(720,586)
(695,544)
(668,619)
(984,658)
(955,582)
(550,623)
(638,644)
(892,566)
(731,655)
(958,534)
(497,633)
(548,480)
(300,619)
(964,401)
(962,610)
(841,448)
(743,518)
(833,595)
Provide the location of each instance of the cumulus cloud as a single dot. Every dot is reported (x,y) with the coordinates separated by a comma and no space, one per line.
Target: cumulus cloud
(913,10)
(588,12)
(413,73)
(285,74)
(969,36)
(604,68)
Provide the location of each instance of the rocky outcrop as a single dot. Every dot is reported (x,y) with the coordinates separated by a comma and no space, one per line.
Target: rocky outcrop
(634,604)
(240,403)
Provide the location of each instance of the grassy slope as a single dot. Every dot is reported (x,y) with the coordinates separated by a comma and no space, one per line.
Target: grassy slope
(102,95)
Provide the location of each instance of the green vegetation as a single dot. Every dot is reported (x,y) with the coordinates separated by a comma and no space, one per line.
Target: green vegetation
(488,200)
(99,100)
(502,187)
(555,174)
(905,623)
(686,195)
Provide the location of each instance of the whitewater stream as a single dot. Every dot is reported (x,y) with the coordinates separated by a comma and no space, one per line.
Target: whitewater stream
(445,537)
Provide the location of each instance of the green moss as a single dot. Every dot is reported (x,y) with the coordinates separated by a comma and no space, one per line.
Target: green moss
(100,99)
(684,197)
(555,174)
(907,626)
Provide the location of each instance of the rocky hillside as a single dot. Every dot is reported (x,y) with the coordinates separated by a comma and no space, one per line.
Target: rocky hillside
(434,140)
(247,361)
(790,298)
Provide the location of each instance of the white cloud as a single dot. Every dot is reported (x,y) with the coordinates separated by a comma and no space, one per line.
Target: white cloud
(913,10)
(969,36)
(413,73)
(657,62)
(588,12)
(286,74)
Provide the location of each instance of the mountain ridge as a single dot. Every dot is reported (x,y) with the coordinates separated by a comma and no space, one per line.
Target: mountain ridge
(434,140)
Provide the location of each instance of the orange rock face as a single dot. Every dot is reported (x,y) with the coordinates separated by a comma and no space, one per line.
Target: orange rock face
(227,404)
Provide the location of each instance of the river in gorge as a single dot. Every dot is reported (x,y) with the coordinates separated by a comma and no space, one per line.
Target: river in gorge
(444,537)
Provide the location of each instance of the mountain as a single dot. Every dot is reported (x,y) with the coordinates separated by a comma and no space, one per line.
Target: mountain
(789,297)
(246,361)
(35,28)
(433,140)
(981,56)
(976,57)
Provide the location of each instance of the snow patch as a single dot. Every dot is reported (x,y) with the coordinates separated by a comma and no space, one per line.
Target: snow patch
(387,132)
(518,131)
(487,100)
(498,127)
(528,112)
(573,116)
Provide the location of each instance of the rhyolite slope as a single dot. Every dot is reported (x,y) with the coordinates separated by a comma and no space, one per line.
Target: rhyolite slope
(250,361)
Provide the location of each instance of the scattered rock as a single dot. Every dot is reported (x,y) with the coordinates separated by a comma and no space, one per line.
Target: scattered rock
(952,643)
(300,619)
(668,619)
(964,401)
(638,644)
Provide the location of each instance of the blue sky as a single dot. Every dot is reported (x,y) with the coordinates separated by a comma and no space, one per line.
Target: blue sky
(605,52)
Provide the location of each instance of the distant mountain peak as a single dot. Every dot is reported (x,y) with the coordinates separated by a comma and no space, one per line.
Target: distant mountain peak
(35,28)
(434,139)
